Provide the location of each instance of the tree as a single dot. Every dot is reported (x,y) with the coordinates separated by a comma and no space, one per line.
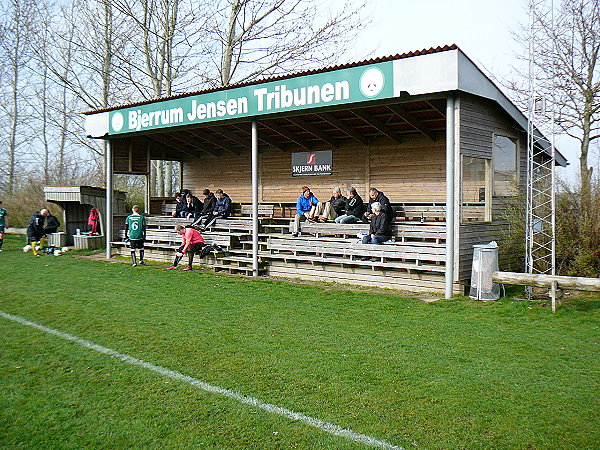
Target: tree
(256,38)
(15,51)
(568,55)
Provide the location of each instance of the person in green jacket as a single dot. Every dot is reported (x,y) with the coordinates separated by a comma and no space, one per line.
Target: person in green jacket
(135,231)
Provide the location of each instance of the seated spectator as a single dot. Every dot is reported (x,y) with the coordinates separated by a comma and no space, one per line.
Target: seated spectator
(179,205)
(193,207)
(355,207)
(379,197)
(328,211)
(379,231)
(192,242)
(304,205)
(208,206)
(222,208)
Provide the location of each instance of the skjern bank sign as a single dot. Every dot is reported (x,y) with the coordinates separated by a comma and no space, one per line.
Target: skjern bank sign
(351,85)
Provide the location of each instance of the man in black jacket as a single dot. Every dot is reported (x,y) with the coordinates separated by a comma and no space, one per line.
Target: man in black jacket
(377,196)
(193,206)
(35,230)
(379,230)
(208,206)
(328,211)
(50,224)
(355,207)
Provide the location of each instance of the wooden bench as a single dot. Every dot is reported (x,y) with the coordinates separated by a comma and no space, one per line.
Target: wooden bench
(263,210)
(421,213)
(399,256)
(402,232)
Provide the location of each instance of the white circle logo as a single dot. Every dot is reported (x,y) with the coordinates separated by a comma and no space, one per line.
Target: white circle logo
(117,121)
(371,82)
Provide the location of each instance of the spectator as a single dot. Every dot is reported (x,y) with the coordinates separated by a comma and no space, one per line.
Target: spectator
(209,206)
(135,231)
(193,206)
(328,211)
(35,230)
(180,205)
(379,197)
(3,223)
(304,205)
(355,207)
(51,224)
(222,208)
(94,222)
(191,243)
(379,230)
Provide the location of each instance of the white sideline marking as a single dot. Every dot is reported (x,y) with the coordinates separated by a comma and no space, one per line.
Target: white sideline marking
(289,414)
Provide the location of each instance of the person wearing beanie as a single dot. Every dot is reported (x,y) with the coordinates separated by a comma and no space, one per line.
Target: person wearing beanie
(304,205)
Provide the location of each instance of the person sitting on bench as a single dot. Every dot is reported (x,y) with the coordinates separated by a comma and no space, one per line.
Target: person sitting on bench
(193,207)
(222,208)
(377,196)
(180,205)
(379,231)
(355,207)
(209,206)
(304,205)
(328,211)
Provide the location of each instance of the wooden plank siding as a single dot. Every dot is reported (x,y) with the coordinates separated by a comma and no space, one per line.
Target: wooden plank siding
(410,172)
(480,121)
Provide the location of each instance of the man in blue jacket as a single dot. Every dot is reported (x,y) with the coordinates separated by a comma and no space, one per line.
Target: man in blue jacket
(303,207)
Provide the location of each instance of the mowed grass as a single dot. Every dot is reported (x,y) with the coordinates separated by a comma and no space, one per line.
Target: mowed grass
(452,374)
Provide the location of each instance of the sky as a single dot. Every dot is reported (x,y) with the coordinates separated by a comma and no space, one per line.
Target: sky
(483,29)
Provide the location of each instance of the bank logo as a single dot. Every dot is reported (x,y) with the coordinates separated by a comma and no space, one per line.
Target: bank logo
(311,158)
(371,82)
(117,121)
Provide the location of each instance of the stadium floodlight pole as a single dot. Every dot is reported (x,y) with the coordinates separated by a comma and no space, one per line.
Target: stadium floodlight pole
(449,278)
(255,198)
(109,198)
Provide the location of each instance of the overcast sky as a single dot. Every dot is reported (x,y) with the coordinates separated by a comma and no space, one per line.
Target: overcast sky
(483,29)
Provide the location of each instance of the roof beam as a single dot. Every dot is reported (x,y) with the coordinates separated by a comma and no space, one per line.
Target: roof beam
(285,133)
(410,118)
(338,123)
(169,143)
(214,141)
(263,139)
(190,139)
(375,122)
(314,131)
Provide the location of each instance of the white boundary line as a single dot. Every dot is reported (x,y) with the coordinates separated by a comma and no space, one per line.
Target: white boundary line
(284,412)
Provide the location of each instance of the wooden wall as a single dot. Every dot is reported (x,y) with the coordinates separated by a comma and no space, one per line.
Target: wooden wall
(480,120)
(411,171)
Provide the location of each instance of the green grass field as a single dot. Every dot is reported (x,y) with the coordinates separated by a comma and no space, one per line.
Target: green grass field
(449,374)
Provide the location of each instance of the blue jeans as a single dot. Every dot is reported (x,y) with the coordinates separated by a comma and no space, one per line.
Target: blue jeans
(375,240)
(346,219)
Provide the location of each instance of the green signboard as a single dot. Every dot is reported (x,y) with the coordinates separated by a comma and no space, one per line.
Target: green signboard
(352,85)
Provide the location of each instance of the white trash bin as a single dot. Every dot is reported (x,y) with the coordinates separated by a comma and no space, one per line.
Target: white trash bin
(485,262)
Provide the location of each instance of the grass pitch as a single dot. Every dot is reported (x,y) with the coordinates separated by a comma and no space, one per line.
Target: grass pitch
(451,374)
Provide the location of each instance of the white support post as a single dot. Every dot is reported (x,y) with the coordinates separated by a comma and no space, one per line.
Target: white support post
(109,198)
(254,198)
(450,220)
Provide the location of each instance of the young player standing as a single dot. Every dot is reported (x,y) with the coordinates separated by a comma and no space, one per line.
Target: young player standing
(3,223)
(135,230)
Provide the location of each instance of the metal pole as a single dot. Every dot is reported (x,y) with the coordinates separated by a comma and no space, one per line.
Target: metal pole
(449,196)
(254,198)
(109,198)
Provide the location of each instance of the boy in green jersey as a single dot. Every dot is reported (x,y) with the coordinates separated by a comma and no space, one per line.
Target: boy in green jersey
(3,223)
(135,231)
